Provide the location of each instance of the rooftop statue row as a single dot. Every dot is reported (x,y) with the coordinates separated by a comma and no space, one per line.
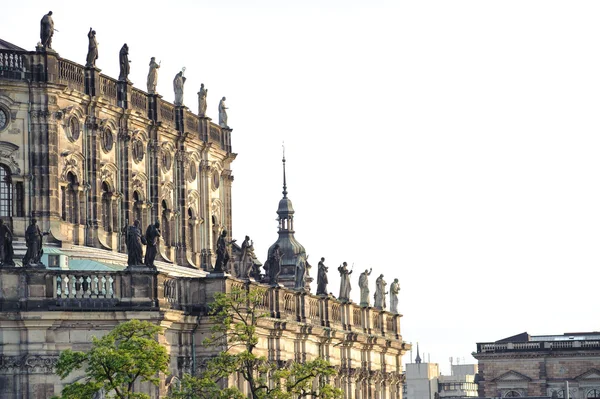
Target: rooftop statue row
(47,32)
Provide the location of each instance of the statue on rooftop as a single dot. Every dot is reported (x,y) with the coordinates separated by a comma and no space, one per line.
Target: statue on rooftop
(380,292)
(134,243)
(394,291)
(202,101)
(152,76)
(223,113)
(152,240)
(47,30)
(6,247)
(345,282)
(363,284)
(273,265)
(124,63)
(222,253)
(33,240)
(178,83)
(246,258)
(322,278)
(301,264)
(92,54)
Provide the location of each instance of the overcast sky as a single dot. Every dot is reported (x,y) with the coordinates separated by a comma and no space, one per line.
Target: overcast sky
(451,144)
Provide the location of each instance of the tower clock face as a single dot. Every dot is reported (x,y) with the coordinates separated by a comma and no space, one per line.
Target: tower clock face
(3,119)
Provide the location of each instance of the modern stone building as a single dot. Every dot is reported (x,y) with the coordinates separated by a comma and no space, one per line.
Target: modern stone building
(544,365)
(86,154)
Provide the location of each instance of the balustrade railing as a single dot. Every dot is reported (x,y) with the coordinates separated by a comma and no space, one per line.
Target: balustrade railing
(82,285)
(191,122)
(139,101)
(167,113)
(71,74)
(108,89)
(11,61)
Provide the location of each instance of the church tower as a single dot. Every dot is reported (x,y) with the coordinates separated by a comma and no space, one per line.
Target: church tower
(293,252)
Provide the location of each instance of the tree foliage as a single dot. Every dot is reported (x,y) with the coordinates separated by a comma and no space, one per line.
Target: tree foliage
(235,317)
(115,362)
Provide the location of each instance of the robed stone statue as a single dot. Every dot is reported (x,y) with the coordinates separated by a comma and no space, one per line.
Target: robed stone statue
(344,283)
(92,54)
(178,83)
(47,30)
(246,258)
(6,247)
(152,240)
(133,240)
(322,278)
(363,284)
(222,253)
(223,113)
(380,292)
(394,291)
(33,240)
(152,76)
(202,101)
(300,283)
(273,265)
(124,63)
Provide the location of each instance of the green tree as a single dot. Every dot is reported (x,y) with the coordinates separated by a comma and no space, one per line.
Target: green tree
(235,317)
(115,362)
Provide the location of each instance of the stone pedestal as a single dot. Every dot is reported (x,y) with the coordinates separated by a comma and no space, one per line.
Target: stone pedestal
(92,81)
(124,93)
(153,107)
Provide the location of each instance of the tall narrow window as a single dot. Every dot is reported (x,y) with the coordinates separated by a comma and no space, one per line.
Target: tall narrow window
(71,199)
(6,198)
(166,232)
(106,211)
(137,207)
(20,195)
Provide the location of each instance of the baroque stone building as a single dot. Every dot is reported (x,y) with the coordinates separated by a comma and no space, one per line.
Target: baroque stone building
(85,155)
(563,366)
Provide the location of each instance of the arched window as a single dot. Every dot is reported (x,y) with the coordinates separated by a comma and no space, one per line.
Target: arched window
(593,393)
(512,394)
(106,207)
(6,197)
(137,207)
(166,232)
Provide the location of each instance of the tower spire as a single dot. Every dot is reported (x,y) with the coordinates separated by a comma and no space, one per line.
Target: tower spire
(284,183)
(418,358)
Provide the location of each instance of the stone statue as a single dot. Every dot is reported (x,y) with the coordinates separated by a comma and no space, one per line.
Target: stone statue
(134,242)
(394,291)
(152,76)
(124,63)
(202,101)
(152,240)
(246,258)
(344,283)
(178,83)
(92,54)
(380,292)
(273,265)
(300,283)
(363,284)
(6,247)
(222,253)
(47,30)
(322,278)
(33,240)
(222,113)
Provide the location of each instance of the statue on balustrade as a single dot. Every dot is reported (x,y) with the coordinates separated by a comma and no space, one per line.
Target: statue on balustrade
(380,292)
(202,101)
(33,240)
(301,264)
(223,113)
(124,63)
(345,282)
(273,265)
(363,284)
(394,291)
(152,240)
(223,253)
(92,54)
(152,76)
(178,83)
(6,247)
(134,241)
(47,30)
(322,278)
(246,258)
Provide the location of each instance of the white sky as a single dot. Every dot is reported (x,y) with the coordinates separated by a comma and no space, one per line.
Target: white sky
(451,144)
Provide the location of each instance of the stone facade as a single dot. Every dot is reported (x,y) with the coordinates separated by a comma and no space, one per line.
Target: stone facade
(86,155)
(526,365)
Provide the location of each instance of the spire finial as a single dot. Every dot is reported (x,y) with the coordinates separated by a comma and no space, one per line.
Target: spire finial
(418,358)
(283,160)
